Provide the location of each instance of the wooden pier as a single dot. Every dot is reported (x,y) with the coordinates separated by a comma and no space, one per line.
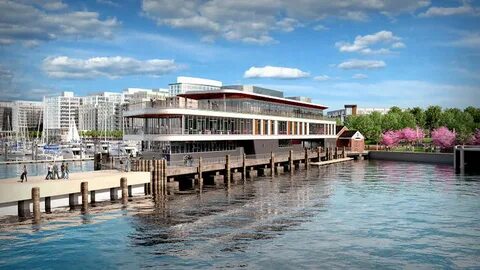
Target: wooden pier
(155,178)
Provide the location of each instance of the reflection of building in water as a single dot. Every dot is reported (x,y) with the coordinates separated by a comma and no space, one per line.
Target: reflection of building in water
(214,123)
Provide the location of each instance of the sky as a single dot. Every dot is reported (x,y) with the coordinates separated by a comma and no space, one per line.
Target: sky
(368,52)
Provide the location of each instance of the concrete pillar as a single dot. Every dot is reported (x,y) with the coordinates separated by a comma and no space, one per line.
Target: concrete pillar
(84,191)
(113,194)
(227,170)
(272,164)
(145,189)
(244,168)
(124,187)
(48,204)
(23,209)
(71,201)
(92,197)
(36,203)
(455,157)
(130,191)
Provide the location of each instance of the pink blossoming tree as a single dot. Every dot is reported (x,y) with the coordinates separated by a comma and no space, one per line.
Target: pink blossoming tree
(390,138)
(476,137)
(408,135)
(443,137)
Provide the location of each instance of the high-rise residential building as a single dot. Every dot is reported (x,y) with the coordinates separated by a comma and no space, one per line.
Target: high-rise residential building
(133,95)
(5,116)
(26,115)
(188,84)
(101,112)
(59,112)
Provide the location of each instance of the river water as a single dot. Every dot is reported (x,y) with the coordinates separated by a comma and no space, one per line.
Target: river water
(363,214)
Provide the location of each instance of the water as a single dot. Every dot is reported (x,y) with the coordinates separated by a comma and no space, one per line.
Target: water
(15,170)
(364,214)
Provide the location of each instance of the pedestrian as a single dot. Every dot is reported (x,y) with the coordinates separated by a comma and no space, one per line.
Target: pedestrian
(55,171)
(24,174)
(62,169)
(49,172)
(67,171)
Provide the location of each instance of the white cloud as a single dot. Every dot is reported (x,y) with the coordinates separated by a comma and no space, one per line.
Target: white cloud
(275,72)
(362,64)
(320,27)
(21,21)
(362,44)
(63,67)
(322,78)
(468,40)
(359,76)
(449,11)
(254,21)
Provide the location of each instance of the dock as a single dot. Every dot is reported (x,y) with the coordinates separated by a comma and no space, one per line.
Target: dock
(154,178)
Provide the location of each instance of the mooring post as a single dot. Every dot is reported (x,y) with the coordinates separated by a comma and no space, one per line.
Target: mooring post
(23,209)
(124,187)
(153,177)
(336,152)
(200,178)
(227,170)
(36,203)
(306,159)
(343,152)
(319,154)
(290,161)
(272,164)
(84,191)
(113,194)
(92,197)
(244,168)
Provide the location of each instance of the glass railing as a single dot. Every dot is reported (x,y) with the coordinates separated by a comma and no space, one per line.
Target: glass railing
(210,107)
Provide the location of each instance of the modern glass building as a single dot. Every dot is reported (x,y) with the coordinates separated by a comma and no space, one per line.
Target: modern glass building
(226,121)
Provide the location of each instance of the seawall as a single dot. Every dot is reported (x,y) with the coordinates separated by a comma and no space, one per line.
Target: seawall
(437,158)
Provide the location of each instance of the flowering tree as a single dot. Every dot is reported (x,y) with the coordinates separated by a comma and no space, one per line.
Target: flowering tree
(390,138)
(476,137)
(443,137)
(409,135)
(420,134)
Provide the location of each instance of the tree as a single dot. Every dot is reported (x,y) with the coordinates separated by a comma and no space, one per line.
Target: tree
(407,120)
(395,109)
(432,117)
(390,138)
(476,138)
(443,137)
(409,135)
(419,115)
(391,121)
(474,112)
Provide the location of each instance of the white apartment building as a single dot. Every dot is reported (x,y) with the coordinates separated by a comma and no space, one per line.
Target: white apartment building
(26,115)
(5,116)
(133,95)
(187,84)
(59,112)
(101,112)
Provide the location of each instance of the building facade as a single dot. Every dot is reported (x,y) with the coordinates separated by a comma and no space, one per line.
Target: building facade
(5,116)
(58,114)
(232,121)
(26,115)
(354,110)
(101,112)
(187,84)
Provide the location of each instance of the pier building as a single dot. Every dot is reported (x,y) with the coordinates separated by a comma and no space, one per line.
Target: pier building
(212,123)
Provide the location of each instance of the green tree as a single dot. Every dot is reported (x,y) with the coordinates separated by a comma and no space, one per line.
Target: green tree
(475,113)
(391,121)
(407,120)
(432,117)
(419,115)
(460,121)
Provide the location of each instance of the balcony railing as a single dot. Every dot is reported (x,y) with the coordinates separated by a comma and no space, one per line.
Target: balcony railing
(162,104)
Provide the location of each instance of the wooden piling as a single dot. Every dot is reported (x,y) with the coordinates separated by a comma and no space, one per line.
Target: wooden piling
(124,187)
(113,194)
(343,153)
(244,168)
(306,159)
(336,152)
(200,176)
(227,170)
(165,175)
(290,161)
(36,203)
(23,209)
(153,177)
(319,154)
(92,197)
(272,164)
(84,191)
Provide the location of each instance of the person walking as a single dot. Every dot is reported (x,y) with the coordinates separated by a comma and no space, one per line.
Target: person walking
(67,171)
(62,169)
(24,174)
(55,171)
(49,172)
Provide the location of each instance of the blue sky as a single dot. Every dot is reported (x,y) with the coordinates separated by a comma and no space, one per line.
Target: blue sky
(372,53)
